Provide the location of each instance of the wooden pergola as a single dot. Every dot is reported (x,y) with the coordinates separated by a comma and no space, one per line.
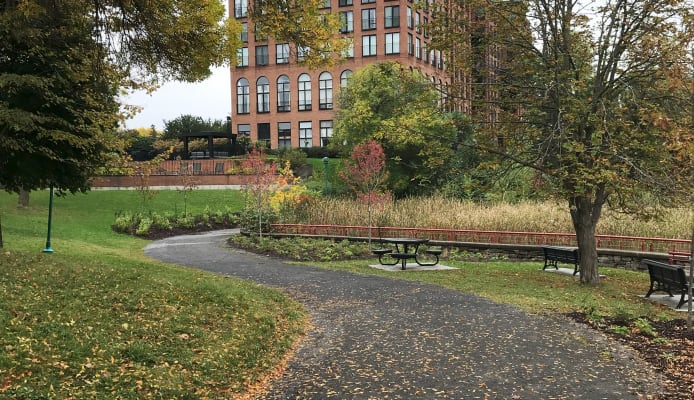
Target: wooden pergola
(210,141)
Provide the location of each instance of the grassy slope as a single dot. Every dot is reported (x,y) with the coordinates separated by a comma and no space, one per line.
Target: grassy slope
(97,319)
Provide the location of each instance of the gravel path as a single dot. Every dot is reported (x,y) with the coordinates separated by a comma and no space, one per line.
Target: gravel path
(380,338)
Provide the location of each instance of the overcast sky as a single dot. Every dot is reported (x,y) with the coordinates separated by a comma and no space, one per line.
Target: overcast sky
(208,99)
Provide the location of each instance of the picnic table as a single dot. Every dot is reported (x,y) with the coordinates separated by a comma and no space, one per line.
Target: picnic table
(406,249)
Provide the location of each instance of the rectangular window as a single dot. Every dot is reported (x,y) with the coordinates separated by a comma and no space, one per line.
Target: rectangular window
(426,27)
(326,4)
(261,55)
(418,48)
(347,21)
(393,43)
(244,32)
(240,8)
(243,130)
(367,1)
(368,45)
(305,134)
(326,132)
(349,51)
(301,53)
(282,53)
(368,19)
(264,133)
(345,3)
(392,17)
(242,57)
(417,18)
(410,45)
(284,135)
(258,33)
(410,22)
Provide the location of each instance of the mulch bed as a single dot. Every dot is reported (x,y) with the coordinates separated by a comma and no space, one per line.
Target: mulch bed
(670,351)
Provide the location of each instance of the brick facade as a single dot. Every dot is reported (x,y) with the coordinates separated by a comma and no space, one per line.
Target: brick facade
(267,73)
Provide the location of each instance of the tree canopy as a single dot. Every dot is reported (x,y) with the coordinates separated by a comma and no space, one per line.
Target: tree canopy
(189,123)
(54,110)
(399,109)
(597,99)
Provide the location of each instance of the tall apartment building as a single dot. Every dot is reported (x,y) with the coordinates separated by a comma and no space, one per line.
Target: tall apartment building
(277,101)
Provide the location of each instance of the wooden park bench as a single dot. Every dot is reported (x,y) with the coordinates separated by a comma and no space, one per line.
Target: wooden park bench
(667,278)
(554,255)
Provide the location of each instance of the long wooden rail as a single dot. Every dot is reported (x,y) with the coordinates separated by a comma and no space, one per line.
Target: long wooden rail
(631,243)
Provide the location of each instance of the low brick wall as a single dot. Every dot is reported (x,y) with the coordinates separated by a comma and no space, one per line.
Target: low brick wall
(169,180)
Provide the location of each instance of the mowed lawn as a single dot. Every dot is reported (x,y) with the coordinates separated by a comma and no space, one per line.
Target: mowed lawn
(96,319)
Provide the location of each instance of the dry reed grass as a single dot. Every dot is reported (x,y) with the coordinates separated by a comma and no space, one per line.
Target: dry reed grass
(439,212)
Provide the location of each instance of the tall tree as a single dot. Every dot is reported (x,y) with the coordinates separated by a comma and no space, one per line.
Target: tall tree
(63,63)
(594,99)
(398,109)
(189,123)
(56,104)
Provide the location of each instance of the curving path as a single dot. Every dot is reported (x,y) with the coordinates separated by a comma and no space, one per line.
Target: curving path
(380,338)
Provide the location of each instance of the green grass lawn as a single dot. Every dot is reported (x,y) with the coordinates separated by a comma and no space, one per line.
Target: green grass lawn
(527,286)
(97,319)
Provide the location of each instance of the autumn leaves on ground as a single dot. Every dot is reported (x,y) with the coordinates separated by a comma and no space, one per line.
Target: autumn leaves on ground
(97,319)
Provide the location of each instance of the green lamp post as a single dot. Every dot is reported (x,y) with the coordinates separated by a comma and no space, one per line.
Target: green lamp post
(325,175)
(48,248)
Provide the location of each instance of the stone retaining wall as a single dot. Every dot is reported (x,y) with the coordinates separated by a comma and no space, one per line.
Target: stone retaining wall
(491,251)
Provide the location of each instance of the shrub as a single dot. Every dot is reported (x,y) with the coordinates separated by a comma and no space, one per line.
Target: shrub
(143,227)
(161,221)
(248,219)
(296,157)
(125,221)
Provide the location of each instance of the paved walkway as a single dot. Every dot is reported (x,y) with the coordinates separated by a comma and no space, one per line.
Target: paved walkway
(380,338)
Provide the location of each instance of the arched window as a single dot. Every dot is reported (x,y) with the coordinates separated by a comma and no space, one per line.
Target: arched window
(263,90)
(325,92)
(283,103)
(344,77)
(304,92)
(242,96)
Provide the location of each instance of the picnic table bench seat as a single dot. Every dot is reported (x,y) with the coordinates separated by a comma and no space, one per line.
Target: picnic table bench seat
(432,252)
(382,252)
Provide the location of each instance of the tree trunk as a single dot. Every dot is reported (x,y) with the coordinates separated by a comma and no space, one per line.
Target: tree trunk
(585,215)
(23,200)
(0,232)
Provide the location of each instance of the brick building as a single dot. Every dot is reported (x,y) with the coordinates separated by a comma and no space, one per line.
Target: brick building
(277,101)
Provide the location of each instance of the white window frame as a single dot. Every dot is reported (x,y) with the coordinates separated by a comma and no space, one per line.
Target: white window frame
(262,86)
(305,134)
(368,45)
(325,91)
(393,43)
